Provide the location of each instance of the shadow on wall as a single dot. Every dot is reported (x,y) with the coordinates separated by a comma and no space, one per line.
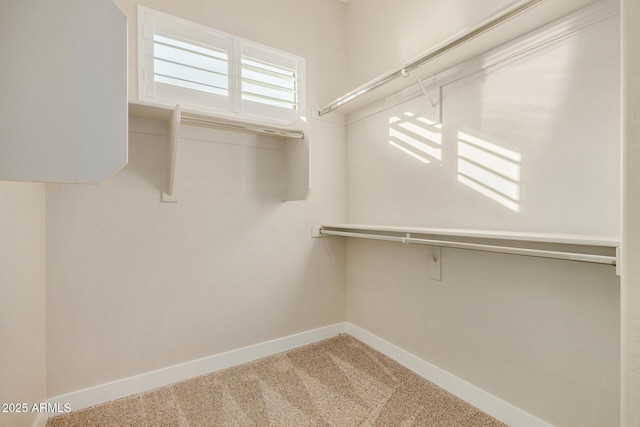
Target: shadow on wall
(489,169)
(483,166)
(528,142)
(416,136)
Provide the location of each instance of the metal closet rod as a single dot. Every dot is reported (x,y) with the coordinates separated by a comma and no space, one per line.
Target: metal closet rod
(569,256)
(403,71)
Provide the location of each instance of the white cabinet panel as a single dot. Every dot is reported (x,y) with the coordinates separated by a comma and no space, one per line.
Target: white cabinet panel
(63,86)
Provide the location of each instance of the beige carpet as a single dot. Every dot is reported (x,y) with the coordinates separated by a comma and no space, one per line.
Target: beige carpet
(336,382)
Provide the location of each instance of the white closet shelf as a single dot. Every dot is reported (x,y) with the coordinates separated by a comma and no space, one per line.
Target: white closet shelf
(569,239)
(295,145)
(570,247)
(218,121)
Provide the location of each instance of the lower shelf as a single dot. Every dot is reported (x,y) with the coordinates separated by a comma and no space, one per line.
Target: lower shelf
(565,247)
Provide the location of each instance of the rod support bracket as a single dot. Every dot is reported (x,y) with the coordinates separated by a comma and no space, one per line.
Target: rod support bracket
(434,264)
(433,103)
(171,157)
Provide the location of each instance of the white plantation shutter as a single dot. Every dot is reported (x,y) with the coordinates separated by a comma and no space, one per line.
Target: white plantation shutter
(203,69)
(271,82)
(190,66)
(183,63)
(269,85)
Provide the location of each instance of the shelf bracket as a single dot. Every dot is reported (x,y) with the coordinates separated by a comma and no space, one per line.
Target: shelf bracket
(436,108)
(174,140)
(433,103)
(434,265)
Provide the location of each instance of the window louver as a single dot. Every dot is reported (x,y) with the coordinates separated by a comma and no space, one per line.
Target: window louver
(269,84)
(190,66)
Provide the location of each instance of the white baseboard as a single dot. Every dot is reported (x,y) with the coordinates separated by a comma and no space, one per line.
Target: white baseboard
(477,397)
(471,394)
(41,420)
(150,380)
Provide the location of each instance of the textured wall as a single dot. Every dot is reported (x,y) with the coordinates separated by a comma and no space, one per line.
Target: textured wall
(540,334)
(382,35)
(136,285)
(631,214)
(22,303)
(547,154)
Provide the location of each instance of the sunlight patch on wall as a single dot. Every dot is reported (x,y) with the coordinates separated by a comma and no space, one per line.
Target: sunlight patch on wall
(489,169)
(416,136)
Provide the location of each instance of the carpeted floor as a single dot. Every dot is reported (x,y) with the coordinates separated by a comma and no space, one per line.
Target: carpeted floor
(336,382)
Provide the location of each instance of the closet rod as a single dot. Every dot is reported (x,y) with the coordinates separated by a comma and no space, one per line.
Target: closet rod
(570,256)
(403,71)
(198,120)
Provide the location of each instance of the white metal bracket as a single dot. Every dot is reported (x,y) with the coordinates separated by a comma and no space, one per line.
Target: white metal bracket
(433,262)
(618,261)
(434,104)
(315,231)
(172,159)
(434,265)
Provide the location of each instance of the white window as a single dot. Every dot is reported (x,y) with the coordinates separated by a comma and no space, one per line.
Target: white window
(206,70)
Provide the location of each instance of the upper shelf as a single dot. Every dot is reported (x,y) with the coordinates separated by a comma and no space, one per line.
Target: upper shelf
(295,146)
(516,19)
(212,120)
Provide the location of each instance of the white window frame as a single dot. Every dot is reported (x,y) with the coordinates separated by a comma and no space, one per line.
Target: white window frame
(235,105)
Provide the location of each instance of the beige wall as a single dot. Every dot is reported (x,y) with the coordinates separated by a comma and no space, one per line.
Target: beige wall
(540,334)
(22,304)
(538,109)
(383,35)
(631,214)
(136,285)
